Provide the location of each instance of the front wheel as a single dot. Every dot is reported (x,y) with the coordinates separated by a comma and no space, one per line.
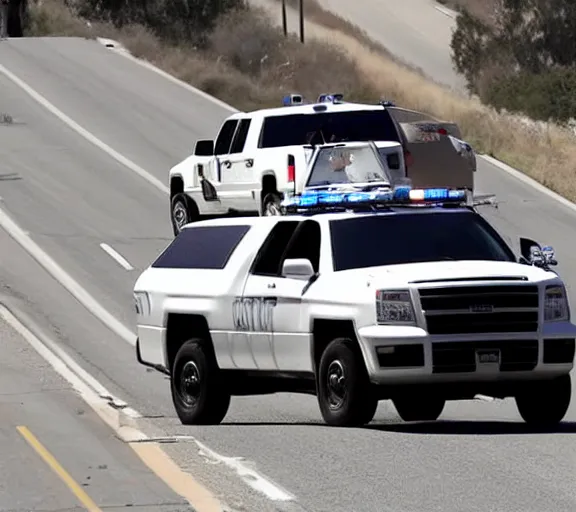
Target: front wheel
(545,403)
(199,395)
(345,395)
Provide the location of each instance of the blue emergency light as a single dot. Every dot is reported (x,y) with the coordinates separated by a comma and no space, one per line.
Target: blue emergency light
(292,99)
(399,196)
(330,98)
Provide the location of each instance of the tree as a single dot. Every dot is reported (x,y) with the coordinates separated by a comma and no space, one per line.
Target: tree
(525,60)
(175,20)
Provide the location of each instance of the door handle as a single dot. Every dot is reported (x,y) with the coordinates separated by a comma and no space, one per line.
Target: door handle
(249,162)
(227,164)
(271,285)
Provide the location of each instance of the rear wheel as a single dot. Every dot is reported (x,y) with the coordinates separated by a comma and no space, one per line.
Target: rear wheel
(545,403)
(271,205)
(345,395)
(198,393)
(183,211)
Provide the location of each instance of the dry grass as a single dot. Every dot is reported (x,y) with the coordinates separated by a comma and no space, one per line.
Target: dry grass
(250,65)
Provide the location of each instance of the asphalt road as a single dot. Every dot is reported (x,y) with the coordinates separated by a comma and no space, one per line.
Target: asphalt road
(43,417)
(71,197)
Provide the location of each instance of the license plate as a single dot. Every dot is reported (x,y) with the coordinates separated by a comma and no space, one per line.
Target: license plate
(488,356)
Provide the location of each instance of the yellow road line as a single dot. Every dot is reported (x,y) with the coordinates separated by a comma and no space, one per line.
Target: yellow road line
(55,466)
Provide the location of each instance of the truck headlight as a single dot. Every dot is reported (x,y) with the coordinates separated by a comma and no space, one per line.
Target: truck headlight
(394,307)
(142,303)
(556,304)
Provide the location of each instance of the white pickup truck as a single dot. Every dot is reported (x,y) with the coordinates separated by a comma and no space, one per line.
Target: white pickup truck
(258,156)
(419,302)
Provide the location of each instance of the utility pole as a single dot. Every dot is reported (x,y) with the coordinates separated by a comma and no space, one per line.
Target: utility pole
(284,21)
(301,21)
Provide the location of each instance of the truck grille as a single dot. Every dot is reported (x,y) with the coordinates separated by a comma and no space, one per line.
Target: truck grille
(480,309)
(454,357)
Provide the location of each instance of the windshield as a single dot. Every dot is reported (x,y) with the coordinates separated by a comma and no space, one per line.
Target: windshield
(322,128)
(347,164)
(379,240)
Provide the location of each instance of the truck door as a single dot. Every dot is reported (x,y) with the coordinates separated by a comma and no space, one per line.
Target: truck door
(238,179)
(292,338)
(255,311)
(210,175)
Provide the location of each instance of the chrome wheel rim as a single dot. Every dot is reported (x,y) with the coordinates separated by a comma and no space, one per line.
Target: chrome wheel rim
(271,209)
(190,384)
(180,215)
(336,384)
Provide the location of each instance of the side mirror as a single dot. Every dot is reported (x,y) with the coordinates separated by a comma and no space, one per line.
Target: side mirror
(298,268)
(533,254)
(204,148)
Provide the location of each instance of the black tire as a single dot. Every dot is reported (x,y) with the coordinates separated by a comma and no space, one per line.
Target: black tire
(271,204)
(545,403)
(353,402)
(182,211)
(419,407)
(208,401)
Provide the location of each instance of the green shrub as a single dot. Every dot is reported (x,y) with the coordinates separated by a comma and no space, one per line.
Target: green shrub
(545,96)
(174,20)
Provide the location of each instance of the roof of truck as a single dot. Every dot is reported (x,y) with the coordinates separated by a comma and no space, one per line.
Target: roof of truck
(307,109)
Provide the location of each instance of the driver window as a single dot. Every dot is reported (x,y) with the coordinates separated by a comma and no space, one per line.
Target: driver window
(224,139)
(305,243)
(268,259)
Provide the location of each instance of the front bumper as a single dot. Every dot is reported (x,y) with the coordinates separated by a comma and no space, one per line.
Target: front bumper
(408,355)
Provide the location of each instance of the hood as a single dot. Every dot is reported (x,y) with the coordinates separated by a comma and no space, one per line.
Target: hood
(401,275)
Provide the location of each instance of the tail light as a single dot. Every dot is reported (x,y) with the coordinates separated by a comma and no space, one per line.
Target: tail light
(442,131)
(291,169)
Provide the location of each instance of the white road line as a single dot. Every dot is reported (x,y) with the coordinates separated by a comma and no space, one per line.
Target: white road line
(447,12)
(116,256)
(65,279)
(249,476)
(84,133)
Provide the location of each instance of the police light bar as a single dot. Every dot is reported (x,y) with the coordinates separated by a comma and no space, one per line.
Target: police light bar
(292,99)
(330,98)
(381,197)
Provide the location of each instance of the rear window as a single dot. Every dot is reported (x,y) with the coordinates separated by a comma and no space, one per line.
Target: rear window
(301,129)
(380,240)
(205,247)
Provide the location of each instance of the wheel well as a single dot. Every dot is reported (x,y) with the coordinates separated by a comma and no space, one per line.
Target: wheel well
(176,186)
(180,328)
(268,185)
(324,331)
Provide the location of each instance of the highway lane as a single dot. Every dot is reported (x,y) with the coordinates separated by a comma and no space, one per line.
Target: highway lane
(331,468)
(42,414)
(148,119)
